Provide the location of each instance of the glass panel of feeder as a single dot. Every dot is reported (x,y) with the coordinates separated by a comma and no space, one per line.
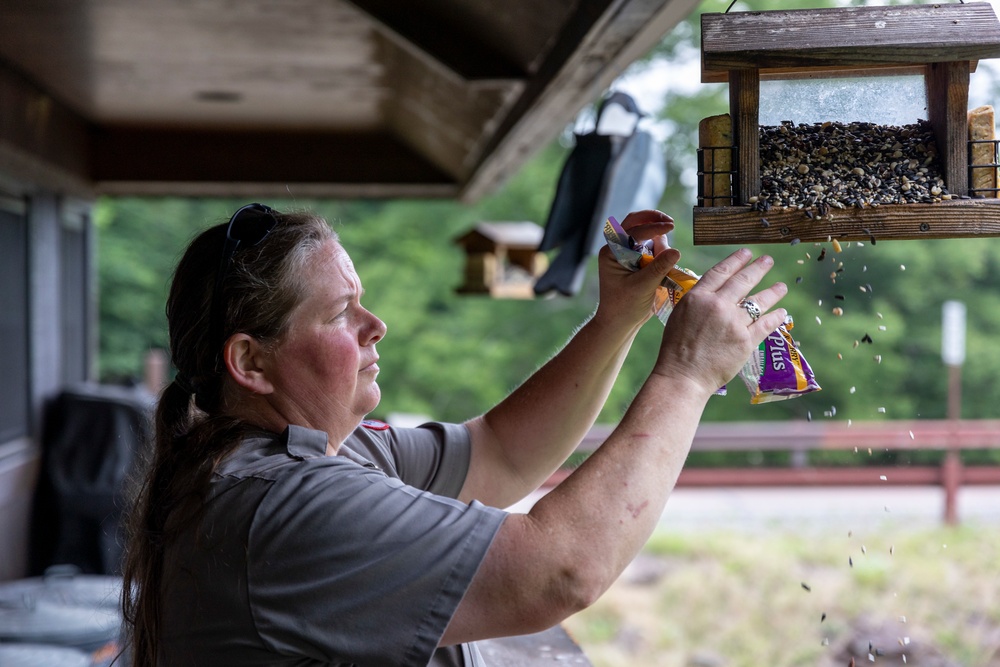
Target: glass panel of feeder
(886,100)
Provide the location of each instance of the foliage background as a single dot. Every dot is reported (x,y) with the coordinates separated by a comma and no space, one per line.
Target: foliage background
(452,356)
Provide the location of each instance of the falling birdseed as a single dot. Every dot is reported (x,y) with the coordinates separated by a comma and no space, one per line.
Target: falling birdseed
(881,327)
(806,586)
(809,415)
(818,321)
(836,245)
(867,339)
(825,642)
(892,548)
(853,389)
(878,315)
(764,222)
(911,435)
(862,288)
(863,550)
(881,410)
(877,358)
(798,279)
(800,261)
(840,356)
(850,561)
(823,617)
(902,267)
(822,255)
(838,297)
(820,303)
(838,311)
(883,478)
(794,241)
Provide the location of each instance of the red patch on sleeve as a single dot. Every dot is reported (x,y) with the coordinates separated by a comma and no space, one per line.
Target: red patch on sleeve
(375,425)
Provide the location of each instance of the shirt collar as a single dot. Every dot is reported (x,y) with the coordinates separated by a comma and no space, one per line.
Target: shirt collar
(305,443)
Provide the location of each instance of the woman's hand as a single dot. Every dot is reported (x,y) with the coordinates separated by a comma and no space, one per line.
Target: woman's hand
(626,297)
(710,334)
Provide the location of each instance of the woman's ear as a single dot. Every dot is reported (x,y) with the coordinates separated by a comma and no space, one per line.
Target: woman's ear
(244,359)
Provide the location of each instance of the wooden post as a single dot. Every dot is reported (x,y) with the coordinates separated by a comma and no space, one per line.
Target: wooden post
(744,109)
(948,107)
(951,467)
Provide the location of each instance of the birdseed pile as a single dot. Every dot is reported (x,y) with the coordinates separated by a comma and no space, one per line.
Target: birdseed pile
(829,165)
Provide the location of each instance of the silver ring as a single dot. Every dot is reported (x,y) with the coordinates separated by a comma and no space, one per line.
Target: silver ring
(753,310)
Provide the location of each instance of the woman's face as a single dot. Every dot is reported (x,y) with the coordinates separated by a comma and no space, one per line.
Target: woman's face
(324,369)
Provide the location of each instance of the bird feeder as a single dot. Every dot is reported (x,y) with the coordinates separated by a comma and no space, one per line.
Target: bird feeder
(502,259)
(942,43)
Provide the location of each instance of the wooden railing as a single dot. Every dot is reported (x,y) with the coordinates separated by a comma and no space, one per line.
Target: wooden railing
(799,438)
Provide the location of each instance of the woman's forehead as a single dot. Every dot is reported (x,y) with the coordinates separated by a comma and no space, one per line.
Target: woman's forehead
(334,266)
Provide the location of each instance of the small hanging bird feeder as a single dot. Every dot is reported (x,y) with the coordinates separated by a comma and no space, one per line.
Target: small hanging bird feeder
(848,180)
(502,259)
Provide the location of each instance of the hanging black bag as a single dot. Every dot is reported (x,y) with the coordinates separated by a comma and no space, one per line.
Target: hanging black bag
(605,174)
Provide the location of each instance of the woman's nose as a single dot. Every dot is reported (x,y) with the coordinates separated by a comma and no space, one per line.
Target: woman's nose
(376,330)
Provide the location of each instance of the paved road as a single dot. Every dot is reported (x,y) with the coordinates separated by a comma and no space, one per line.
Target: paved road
(848,508)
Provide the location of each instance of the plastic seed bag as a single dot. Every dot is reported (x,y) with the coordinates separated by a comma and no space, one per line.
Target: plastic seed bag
(775,371)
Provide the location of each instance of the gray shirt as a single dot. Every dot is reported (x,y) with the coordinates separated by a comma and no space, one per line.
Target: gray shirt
(305,559)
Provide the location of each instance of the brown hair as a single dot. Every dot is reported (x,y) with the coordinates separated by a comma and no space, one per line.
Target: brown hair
(192,429)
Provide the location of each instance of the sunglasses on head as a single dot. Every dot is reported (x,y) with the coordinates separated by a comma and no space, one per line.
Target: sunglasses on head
(248,227)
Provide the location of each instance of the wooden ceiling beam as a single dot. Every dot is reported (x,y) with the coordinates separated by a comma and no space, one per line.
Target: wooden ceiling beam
(139,160)
(450,49)
(42,140)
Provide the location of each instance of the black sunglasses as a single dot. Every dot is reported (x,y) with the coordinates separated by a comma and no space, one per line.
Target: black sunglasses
(248,227)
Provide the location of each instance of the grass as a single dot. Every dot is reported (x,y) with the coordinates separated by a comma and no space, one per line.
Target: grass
(782,598)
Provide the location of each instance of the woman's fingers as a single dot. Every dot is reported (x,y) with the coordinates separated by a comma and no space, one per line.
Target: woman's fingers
(649,225)
(763,300)
(732,281)
(768,323)
(735,276)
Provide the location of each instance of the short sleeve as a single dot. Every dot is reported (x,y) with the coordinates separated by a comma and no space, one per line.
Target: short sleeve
(345,554)
(434,456)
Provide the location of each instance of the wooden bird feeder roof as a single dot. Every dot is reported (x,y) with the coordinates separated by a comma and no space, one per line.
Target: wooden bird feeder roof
(943,42)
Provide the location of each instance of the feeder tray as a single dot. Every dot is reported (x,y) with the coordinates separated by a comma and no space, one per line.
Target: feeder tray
(941,42)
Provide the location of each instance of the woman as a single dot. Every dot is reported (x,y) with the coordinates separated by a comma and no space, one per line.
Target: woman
(276,526)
